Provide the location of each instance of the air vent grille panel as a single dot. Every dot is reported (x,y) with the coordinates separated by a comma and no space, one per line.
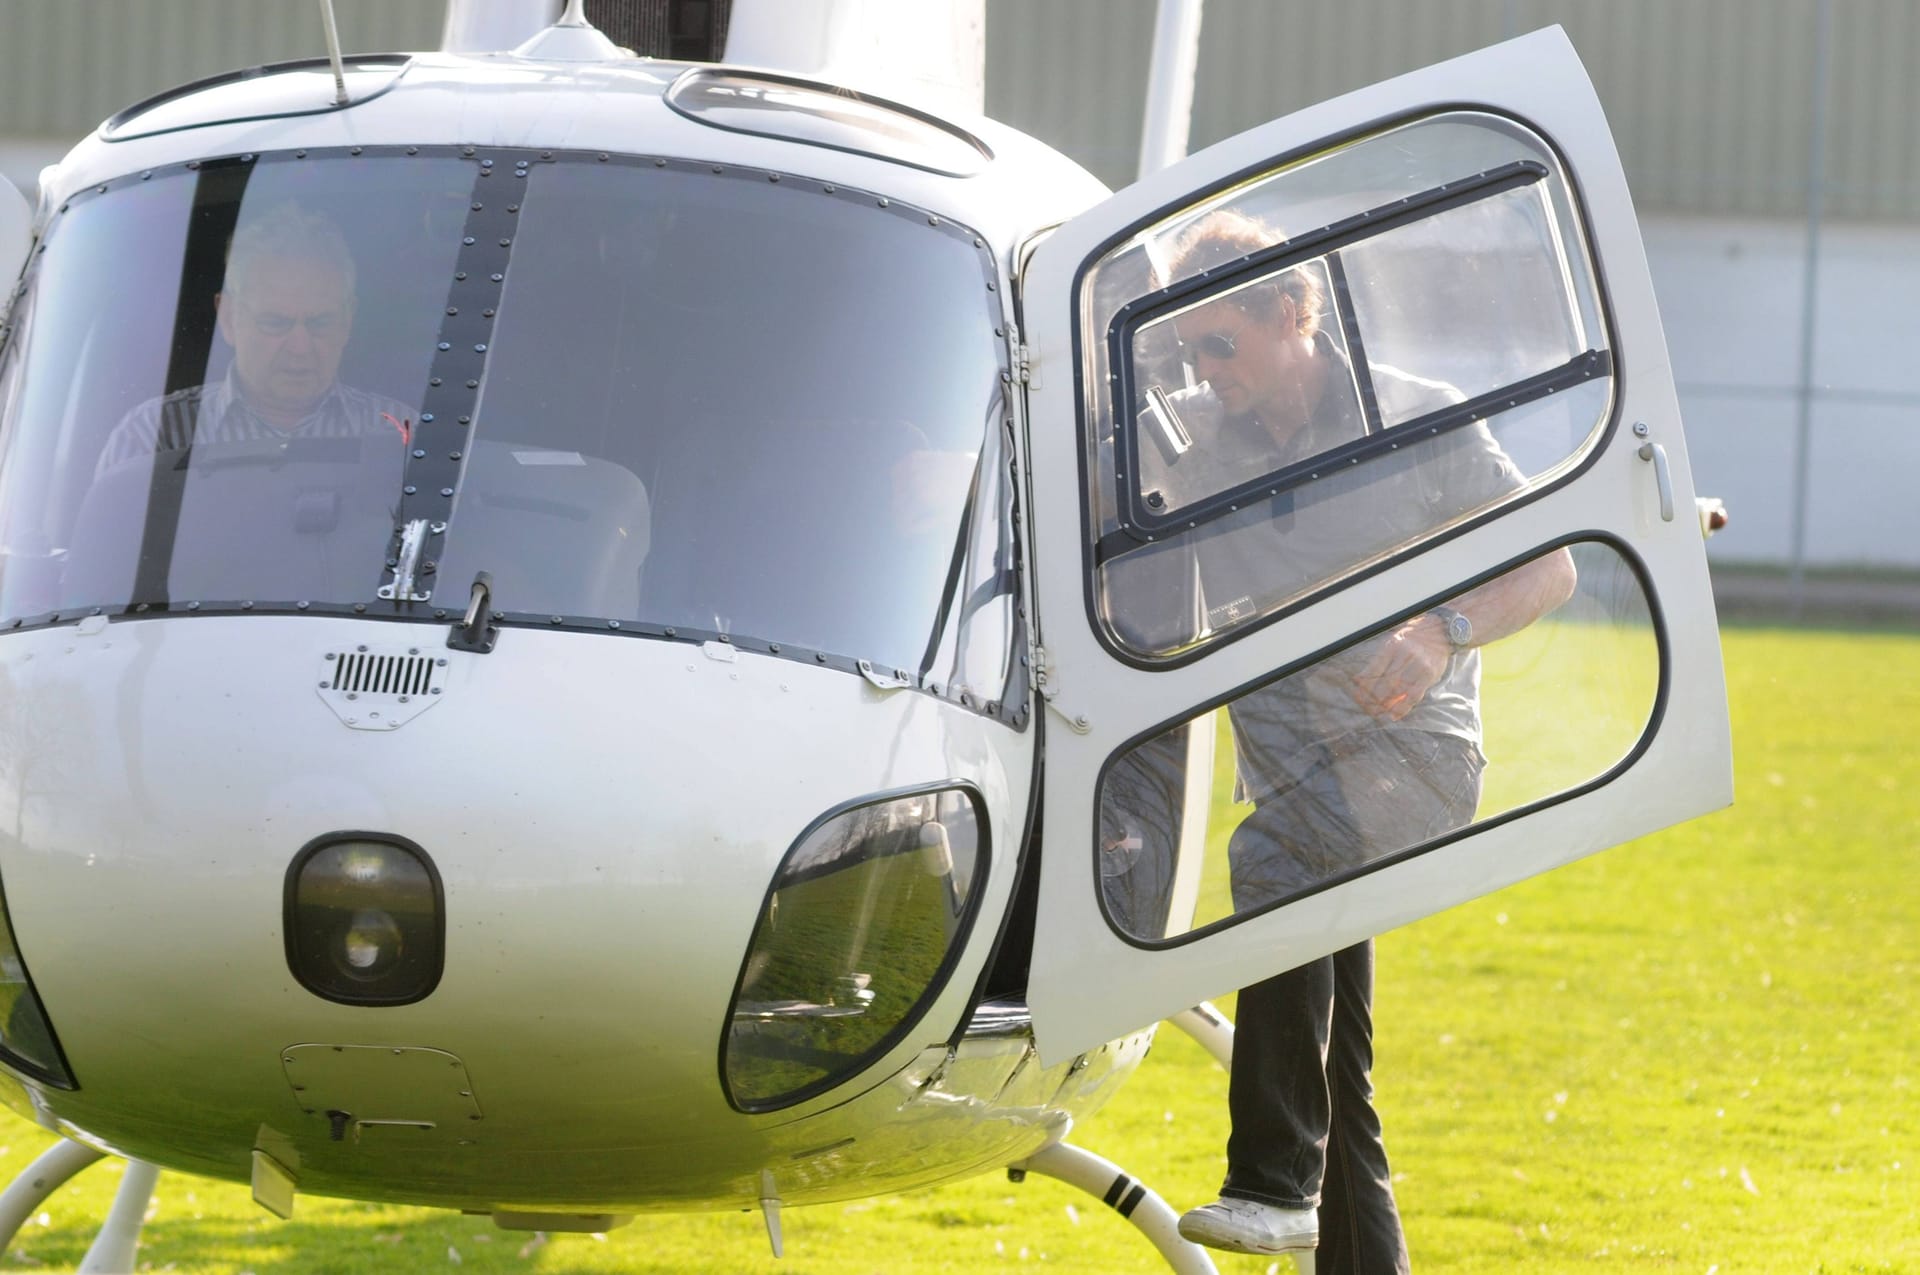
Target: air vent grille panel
(383,674)
(371,689)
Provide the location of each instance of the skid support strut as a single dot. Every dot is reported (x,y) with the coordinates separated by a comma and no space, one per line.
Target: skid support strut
(1213,1029)
(1126,1196)
(119,1239)
(114,1248)
(56,1165)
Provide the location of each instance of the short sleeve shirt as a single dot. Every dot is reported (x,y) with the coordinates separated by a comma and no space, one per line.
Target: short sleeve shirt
(1324,528)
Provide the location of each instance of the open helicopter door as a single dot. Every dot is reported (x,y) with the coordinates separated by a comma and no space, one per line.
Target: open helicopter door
(1354,448)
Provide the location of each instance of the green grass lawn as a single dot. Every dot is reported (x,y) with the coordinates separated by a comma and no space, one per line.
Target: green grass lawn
(1698,1053)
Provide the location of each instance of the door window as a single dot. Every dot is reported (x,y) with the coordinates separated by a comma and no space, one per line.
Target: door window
(1315,780)
(1418,341)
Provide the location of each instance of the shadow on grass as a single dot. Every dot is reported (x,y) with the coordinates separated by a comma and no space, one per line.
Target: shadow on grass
(348,1239)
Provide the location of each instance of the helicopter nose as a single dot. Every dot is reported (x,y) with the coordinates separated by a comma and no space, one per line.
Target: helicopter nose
(627,893)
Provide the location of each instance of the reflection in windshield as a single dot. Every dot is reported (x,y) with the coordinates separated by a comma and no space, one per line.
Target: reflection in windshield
(710,403)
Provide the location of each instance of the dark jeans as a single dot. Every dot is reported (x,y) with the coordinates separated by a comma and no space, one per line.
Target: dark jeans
(1301,1096)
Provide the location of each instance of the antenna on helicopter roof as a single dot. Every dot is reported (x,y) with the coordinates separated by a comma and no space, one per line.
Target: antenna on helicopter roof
(333,54)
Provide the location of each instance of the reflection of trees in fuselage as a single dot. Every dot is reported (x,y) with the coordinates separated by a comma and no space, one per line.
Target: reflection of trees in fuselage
(888,919)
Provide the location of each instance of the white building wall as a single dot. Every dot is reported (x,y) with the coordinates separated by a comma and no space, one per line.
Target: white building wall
(1730,296)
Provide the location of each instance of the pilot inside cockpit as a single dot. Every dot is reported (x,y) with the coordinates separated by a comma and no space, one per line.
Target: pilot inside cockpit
(271,478)
(278,474)
(286,308)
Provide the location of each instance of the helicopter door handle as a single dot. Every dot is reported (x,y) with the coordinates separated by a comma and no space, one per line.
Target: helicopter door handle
(479,627)
(1662,477)
(477,608)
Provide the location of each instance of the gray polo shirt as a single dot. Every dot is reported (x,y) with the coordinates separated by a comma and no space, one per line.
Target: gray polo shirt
(1252,559)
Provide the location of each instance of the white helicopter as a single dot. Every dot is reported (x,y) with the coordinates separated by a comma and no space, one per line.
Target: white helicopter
(610,776)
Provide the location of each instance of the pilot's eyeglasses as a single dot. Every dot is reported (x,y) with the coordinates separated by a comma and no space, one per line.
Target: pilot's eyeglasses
(319,326)
(323,325)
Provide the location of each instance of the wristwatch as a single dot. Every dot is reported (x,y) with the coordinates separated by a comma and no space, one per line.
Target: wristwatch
(1459,628)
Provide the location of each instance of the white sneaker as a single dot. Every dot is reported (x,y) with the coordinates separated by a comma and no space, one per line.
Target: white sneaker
(1248,1226)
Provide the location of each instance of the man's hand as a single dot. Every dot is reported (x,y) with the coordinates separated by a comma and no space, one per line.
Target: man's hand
(1403,669)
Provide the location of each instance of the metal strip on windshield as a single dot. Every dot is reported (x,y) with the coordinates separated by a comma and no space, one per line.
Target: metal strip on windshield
(219,191)
(438,442)
(1356,345)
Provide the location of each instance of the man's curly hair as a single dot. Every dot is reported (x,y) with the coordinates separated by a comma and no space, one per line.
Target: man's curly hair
(1222,237)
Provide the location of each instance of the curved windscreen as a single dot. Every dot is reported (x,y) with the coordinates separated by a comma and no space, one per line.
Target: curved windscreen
(635,394)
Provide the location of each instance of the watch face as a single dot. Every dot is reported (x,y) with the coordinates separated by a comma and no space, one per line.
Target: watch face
(1459,628)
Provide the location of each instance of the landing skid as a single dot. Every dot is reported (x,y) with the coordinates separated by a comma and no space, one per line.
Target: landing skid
(1131,1198)
(112,1251)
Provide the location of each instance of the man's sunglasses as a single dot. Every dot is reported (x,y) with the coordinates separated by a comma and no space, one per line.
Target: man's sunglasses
(1215,345)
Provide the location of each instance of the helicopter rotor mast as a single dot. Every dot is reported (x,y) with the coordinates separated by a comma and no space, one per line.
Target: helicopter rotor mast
(1170,80)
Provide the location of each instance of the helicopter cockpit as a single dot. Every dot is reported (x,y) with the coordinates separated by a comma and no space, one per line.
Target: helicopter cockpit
(223,392)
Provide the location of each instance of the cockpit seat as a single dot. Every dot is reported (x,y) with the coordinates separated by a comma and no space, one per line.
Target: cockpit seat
(561,533)
(306,520)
